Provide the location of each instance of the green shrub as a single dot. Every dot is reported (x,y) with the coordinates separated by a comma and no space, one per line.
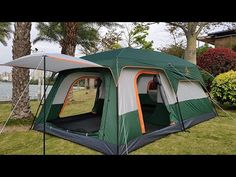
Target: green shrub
(223,88)
(207,78)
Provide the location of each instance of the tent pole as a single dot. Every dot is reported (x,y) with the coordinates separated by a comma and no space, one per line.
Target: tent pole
(44,102)
(41,100)
(117,121)
(181,116)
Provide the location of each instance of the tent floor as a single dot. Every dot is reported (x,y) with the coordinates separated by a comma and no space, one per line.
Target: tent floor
(150,127)
(85,123)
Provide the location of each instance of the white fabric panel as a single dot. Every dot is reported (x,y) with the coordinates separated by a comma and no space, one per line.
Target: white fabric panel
(143,83)
(127,97)
(170,94)
(190,90)
(54,62)
(102,91)
(65,86)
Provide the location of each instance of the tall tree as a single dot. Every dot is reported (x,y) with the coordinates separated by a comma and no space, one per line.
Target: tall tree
(191,30)
(111,40)
(70,39)
(136,35)
(71,34)
(20,77)
(5,31)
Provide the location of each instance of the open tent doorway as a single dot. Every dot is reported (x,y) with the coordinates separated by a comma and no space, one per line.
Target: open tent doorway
(83,106)
(152,101)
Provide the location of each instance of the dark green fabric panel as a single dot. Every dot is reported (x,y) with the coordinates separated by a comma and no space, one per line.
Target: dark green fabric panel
(178,73)
(154,113)
(108,130)
(145,99)
(54,111)
(125,57)
(193,108)
(98,106)
(160,115)
(129,127)
(49,101)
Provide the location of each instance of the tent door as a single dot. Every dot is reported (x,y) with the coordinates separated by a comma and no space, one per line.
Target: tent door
(151,102)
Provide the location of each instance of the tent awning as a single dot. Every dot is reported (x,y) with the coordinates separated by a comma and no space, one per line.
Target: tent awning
(54,62)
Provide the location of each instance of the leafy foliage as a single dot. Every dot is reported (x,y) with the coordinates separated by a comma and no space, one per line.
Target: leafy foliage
(5,31)
(224,88)
(139,35)
(234,48)
(191,30)
(201,50)
(87,36)
(174,49)
(111,40)
(207,78)
(217,60)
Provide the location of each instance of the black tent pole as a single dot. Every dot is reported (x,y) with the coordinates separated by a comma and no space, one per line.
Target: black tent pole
(117,122)
(181,116)
(44,103)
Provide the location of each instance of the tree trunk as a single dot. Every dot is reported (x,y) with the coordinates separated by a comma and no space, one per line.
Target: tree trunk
(70,40)
(190,51)
(20,77)
(69,45)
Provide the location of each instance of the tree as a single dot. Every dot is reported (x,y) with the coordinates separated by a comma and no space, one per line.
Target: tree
(67,35)
(71,34)
(20,77)
(5,31)
(136,36)
(111,40)
(191,30)
(174,49)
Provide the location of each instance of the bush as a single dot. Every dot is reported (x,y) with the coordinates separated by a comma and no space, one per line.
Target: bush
(217,60)
(223,88)
(174,49)
(207,78)
(201,50)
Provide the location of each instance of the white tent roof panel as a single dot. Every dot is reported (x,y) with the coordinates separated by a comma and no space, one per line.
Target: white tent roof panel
(54,62)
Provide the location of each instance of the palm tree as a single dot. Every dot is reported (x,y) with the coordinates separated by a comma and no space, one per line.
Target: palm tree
(5,31)
(68,35)
(20,77)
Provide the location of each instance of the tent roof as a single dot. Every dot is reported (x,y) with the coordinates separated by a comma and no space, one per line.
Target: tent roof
(54,62)
(129,57)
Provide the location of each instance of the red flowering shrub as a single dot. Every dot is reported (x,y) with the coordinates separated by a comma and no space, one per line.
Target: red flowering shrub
(217,60)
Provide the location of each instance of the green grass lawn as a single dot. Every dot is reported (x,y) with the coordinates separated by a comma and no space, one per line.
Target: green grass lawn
(216,136)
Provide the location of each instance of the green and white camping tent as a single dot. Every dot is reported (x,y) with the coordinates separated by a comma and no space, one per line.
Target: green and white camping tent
(144,96)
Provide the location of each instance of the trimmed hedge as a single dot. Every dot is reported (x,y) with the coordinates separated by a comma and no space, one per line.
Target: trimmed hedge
(223,88)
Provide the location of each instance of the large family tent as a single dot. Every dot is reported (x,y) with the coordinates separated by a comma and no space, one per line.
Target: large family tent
(144,95)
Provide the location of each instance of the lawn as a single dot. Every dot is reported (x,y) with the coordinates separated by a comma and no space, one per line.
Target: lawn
(216,136)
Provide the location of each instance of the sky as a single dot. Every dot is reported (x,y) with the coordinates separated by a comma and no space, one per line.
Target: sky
(157,33)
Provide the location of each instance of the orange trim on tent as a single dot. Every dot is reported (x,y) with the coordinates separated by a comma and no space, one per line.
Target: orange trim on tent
(140,113)
(71,87)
